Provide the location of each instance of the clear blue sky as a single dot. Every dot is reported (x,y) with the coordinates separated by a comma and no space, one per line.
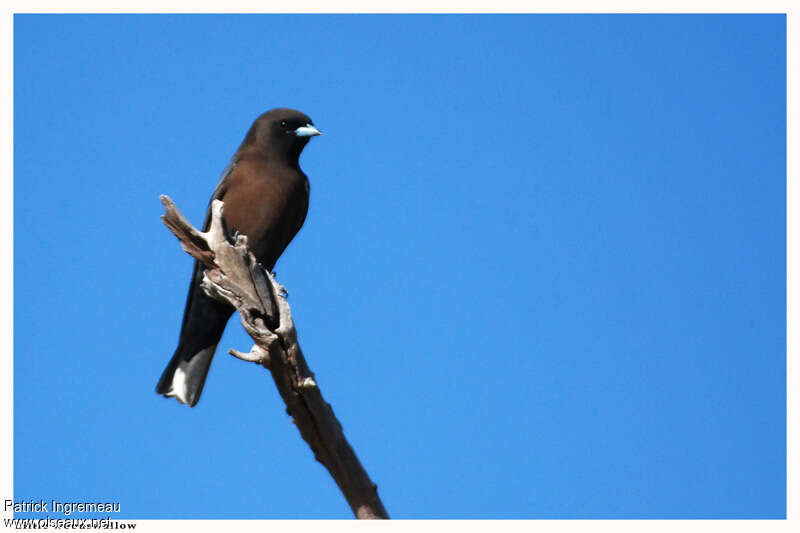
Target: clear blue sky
(542,275)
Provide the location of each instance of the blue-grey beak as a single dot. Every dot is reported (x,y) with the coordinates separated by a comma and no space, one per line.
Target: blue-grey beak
(307,131)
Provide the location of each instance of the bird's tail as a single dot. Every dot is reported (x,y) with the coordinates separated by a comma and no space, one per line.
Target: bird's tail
(203,323)
(186,374)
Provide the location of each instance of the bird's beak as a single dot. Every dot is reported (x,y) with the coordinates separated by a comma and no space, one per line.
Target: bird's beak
(307,131)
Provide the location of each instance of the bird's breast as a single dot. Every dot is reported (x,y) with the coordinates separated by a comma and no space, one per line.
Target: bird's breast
(264,203)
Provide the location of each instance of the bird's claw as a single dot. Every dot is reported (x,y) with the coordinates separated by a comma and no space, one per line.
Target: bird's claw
(281,289)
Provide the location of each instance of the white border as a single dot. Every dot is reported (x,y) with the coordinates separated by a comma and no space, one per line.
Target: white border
(413,6)
(407,6)
(7,268)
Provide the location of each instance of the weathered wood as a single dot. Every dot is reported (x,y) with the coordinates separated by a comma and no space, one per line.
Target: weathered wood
(234,276)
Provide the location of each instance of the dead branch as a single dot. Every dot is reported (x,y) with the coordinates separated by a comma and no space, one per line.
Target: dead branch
(234,276)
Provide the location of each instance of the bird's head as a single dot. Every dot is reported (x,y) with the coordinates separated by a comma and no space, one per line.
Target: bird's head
(282,132)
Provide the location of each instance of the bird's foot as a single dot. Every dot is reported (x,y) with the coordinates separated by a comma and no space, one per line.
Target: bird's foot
(281,289)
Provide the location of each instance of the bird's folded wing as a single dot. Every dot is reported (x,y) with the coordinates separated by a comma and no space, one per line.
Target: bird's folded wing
(220,189)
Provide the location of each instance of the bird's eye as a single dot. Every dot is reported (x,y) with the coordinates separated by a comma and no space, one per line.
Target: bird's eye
(284,124)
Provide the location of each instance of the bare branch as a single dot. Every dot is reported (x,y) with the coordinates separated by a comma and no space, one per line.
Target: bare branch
(255,355)
(234,276)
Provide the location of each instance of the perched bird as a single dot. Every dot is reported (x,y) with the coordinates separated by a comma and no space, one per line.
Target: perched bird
(266,198)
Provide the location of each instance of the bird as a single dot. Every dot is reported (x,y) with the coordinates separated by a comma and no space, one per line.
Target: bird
(266,197)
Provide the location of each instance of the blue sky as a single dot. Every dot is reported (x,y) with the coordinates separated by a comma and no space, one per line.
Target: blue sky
(542,275)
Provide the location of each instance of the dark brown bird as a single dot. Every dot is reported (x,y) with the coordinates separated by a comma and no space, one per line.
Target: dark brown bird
(266,198)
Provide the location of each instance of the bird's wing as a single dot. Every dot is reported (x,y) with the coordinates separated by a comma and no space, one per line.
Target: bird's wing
(197,275)
(220,190)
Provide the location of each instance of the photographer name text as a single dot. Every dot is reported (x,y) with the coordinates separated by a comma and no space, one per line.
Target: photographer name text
(65,508)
